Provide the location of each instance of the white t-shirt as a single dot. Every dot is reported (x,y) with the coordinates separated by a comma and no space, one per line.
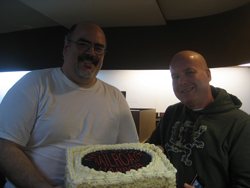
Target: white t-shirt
(47,113)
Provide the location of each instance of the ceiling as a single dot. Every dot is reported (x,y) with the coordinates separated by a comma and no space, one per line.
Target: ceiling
(18,15)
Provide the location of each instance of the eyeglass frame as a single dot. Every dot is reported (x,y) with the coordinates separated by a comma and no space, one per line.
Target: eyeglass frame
(79,45)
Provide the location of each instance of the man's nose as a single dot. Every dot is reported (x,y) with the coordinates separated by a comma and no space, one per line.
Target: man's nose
(182,80)
(90,50)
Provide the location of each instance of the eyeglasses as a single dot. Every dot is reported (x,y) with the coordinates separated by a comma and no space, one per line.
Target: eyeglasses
(85,46)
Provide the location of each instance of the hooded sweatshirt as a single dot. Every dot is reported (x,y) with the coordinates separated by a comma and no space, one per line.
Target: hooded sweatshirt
(213,142)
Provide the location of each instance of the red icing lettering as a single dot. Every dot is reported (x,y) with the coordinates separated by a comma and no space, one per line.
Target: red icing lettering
(111,169)
(139,154)
(105,169)
(125,169)
(133,167)
(125,157)
(90,157)
(118,169)
(136,156)
(96,161)
(112,165)
(105,160)
(116,159)
(101,152)
(131,159)
(101,161)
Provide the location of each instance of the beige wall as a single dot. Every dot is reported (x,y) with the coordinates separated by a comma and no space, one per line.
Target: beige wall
(153,88)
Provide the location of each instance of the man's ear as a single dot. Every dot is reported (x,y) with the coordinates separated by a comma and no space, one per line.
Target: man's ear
(208,72)
(65,48)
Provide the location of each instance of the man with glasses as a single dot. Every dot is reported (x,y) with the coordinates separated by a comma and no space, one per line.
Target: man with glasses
(50,110)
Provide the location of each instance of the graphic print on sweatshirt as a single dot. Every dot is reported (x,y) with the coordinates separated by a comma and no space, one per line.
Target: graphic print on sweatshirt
(183,139)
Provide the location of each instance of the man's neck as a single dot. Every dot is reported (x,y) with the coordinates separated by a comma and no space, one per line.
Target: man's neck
(81,82)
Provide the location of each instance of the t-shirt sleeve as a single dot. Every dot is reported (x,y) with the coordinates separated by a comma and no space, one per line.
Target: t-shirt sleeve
(18,111)
(127,128)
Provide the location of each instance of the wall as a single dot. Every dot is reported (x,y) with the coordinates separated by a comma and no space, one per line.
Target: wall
(8,79)
(153,88)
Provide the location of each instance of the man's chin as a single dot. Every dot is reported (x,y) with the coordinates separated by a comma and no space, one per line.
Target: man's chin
(186,101)
(84,73)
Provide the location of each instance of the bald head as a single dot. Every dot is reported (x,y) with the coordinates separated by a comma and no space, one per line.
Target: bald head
(191,79)
(187,55)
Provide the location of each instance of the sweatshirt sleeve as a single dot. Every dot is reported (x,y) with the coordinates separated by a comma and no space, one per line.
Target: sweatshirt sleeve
(239,154)
(155,137)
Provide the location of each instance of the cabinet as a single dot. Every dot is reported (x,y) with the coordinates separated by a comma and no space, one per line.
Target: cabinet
(144,121)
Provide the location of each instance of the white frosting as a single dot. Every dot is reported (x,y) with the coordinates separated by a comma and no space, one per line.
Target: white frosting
(76,173)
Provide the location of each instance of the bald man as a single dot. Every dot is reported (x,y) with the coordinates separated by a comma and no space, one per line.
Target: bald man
(205,133)
(50,110)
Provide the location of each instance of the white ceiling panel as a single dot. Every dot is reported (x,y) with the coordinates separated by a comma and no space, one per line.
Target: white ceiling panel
(184,9)
(106,13)
(17,15)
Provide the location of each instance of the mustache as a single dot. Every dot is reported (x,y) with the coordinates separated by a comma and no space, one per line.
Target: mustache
(88,57)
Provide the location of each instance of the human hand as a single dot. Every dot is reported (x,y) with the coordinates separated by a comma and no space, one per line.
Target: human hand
(188,186)
(162,149)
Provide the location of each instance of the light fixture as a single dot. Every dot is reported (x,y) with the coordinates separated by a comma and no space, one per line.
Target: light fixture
(245,65)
